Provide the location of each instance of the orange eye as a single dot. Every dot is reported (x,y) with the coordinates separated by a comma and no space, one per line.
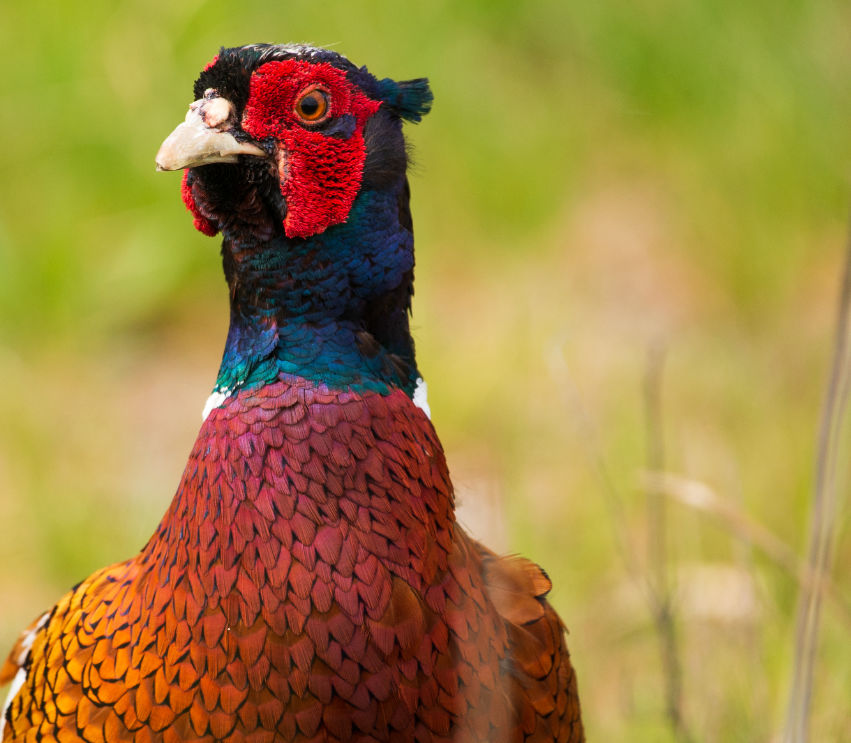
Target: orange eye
(312,105)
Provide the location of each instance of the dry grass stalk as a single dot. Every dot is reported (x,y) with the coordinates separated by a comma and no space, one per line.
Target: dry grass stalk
(655,581)
(701,497)
(658,581)
(823,511)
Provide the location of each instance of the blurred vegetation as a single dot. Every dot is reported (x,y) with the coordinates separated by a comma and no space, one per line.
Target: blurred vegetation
(597,177)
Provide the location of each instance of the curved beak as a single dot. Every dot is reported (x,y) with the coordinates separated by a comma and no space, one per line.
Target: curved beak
(204,137)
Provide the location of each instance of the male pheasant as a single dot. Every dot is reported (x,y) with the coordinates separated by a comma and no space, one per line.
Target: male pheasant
(309,581)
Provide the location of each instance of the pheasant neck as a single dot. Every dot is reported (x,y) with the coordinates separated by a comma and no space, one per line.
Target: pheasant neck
(332,308)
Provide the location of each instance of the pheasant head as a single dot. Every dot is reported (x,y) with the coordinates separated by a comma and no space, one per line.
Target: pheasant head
(297,157)
(320,129)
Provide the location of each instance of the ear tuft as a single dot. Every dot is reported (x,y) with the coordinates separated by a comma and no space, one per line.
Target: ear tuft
(410,99)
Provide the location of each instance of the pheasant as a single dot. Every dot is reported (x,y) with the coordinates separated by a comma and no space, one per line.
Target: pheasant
(309,581)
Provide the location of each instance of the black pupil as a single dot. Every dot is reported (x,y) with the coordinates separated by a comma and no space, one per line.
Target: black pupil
(310,104)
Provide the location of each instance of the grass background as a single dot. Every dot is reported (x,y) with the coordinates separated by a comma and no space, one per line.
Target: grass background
(597,178)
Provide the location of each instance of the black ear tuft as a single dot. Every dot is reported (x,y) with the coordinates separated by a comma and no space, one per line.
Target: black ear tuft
(410,99)
(228,74)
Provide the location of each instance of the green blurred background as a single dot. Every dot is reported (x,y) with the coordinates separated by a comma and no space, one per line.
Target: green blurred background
(597,178)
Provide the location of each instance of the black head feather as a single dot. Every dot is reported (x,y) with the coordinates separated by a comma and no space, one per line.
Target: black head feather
(230,74)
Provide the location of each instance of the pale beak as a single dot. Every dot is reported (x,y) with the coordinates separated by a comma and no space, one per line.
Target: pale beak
(205,137)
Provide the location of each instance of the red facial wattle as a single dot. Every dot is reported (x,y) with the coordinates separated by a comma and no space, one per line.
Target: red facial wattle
(320,171)
(202,223)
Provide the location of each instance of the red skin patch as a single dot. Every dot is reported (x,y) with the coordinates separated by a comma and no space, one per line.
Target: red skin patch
(320,174)
(202,224)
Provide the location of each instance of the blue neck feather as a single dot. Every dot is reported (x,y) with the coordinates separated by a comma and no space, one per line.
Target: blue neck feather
(332,308)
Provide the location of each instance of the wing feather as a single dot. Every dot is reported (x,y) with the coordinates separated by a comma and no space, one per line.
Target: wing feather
(544,693)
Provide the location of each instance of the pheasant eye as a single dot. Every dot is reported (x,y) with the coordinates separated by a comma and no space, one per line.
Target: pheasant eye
(312,106)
